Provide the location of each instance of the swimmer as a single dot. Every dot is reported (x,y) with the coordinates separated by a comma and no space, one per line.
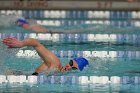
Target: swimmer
(32,25)
(50,60)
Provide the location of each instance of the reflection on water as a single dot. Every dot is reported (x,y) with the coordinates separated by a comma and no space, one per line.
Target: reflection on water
(59,88)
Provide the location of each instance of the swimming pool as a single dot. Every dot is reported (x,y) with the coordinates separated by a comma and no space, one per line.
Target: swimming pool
(113,52)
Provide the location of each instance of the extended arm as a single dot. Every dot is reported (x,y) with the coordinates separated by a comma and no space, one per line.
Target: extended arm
(47,56)
(40,29)
(36,28)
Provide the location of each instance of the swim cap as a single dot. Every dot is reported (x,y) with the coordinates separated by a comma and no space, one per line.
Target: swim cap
(82,62)
(22,21)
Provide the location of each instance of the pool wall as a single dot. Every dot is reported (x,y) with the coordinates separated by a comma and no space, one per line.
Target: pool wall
(71,4)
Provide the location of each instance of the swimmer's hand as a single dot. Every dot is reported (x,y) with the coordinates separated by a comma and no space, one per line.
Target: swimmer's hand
(12,43)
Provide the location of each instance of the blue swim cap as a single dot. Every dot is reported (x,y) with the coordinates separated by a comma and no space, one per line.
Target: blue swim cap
(82,62)
(22,21)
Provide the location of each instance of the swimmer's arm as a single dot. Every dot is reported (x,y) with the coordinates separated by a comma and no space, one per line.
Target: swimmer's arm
(40,29)
(30,42)
(14,43)
(35,28)
(41,50)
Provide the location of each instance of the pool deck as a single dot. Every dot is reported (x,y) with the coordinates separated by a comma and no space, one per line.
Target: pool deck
(71,4)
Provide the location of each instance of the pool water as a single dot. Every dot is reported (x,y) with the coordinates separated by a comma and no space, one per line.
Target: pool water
(60,88)
(97,67)
(125,64)
(111,51)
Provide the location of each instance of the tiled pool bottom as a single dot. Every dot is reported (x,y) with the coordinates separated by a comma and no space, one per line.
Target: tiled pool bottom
(70,84)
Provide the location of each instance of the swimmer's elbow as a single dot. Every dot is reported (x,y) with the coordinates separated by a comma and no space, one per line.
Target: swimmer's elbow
(48,64)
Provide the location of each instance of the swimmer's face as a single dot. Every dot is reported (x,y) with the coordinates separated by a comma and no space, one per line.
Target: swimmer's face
(19,23)
(71,65)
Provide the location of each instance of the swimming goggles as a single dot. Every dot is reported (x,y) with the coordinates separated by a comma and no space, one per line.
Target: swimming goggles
(22,22)
(71,64)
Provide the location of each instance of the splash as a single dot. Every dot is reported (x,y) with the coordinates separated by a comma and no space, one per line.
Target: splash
(8,20)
